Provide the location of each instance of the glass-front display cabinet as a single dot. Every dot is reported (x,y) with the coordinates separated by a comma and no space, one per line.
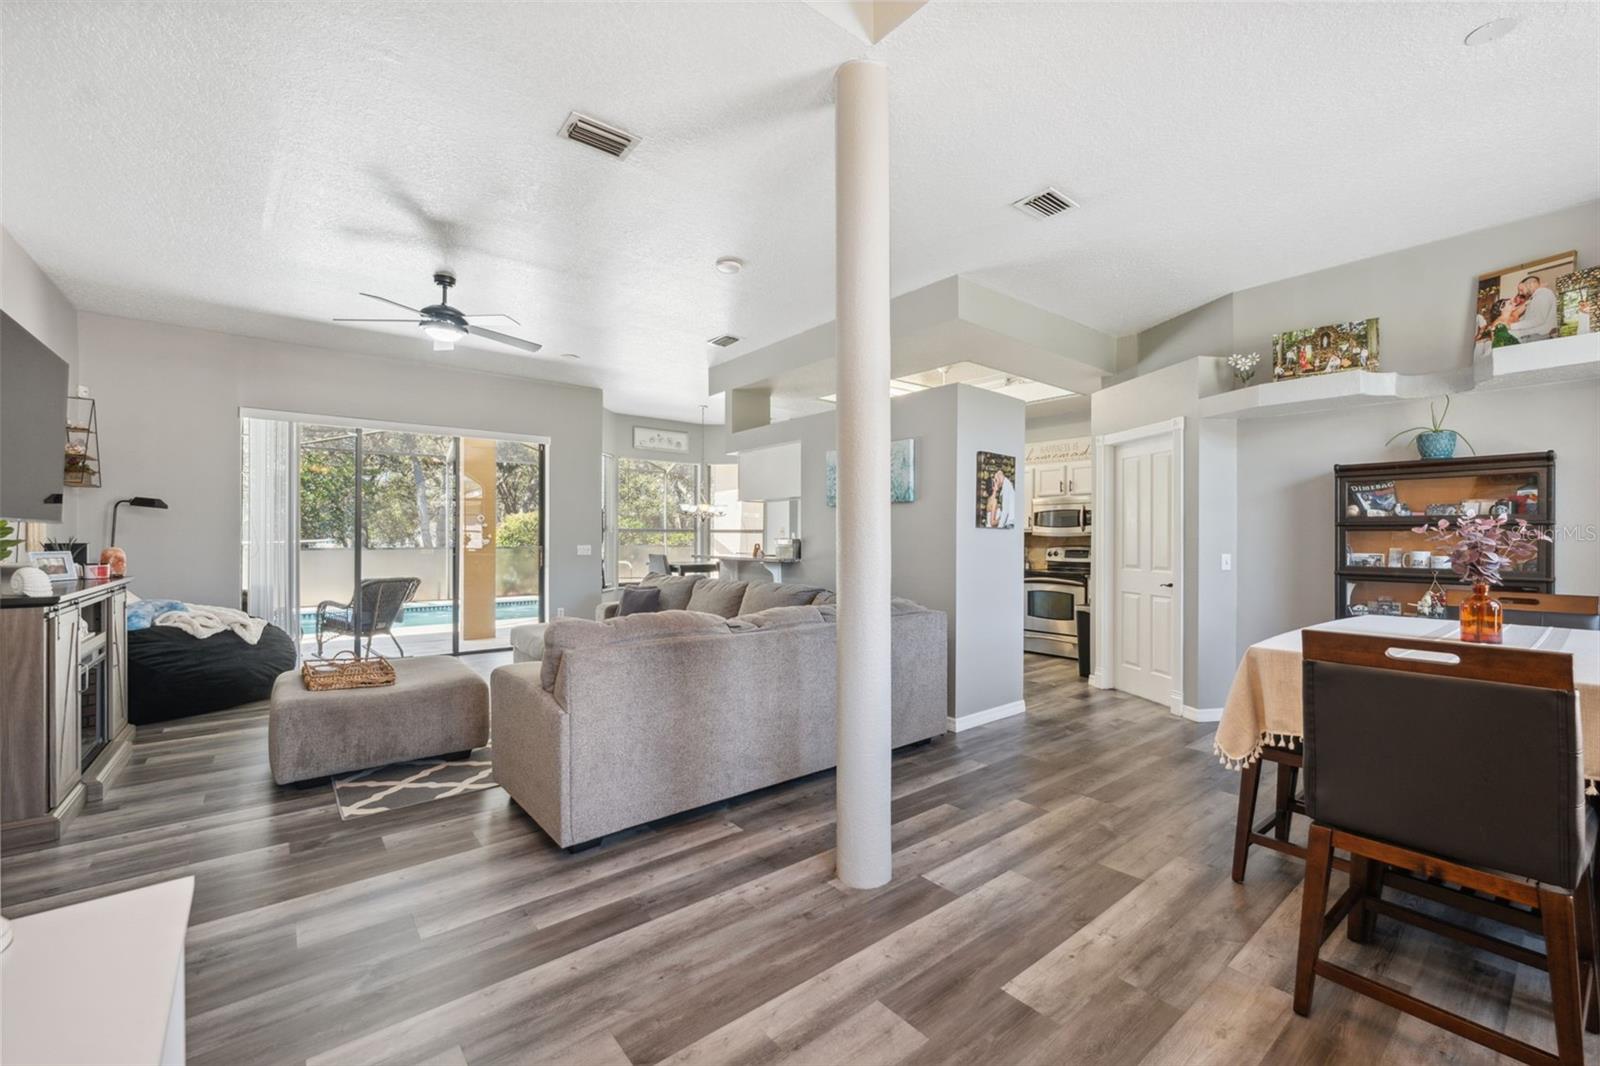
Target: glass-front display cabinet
(1382,567)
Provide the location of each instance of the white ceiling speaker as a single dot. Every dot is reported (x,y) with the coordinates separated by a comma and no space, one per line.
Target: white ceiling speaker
(1490,31)
(729,265)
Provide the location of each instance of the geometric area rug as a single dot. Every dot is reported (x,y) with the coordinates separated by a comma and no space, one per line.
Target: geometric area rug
(406,784)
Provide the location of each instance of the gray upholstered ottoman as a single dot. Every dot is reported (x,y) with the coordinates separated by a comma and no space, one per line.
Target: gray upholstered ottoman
(436,706)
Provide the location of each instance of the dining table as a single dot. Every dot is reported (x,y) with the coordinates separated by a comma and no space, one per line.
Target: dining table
(1262,719)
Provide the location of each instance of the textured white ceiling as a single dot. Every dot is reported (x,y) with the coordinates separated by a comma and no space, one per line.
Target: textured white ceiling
(249,166)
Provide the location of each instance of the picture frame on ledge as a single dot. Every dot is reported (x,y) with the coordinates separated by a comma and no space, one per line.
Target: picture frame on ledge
(1519,304)
(1299,353)
(649,439)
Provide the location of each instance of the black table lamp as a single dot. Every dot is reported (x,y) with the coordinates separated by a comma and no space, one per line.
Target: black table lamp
(134,501)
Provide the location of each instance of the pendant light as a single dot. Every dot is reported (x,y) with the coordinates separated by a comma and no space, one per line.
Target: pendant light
(702,511)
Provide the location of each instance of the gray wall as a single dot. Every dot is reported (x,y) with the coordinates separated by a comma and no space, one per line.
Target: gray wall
(1285,476)
(1261,489)
(39,307)
(169,400)
(941,559)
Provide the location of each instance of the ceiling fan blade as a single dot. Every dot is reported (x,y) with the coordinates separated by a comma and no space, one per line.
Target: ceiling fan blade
(496,314)
(396,303)
(413,321)
(504,338)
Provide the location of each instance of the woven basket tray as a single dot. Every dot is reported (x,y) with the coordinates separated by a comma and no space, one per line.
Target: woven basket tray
(344,670)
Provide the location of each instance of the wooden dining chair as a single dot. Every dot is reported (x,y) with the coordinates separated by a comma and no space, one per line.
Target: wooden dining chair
(1453,772)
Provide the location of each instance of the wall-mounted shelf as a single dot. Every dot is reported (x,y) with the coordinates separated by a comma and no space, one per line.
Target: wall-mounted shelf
(1331,392)
(1575,358)
(1564,359)
(81,464)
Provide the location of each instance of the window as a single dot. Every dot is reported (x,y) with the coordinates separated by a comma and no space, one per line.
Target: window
(738,530)
(650,518)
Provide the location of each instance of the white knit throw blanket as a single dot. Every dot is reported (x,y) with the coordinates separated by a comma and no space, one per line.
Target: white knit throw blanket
(202,622)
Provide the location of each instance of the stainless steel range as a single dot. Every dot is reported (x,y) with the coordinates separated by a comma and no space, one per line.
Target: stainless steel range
(1052,598)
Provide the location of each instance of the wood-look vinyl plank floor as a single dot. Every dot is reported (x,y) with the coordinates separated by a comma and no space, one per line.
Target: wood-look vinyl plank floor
(1061,895)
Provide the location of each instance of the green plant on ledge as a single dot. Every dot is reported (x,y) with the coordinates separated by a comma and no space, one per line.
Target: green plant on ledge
(1434,441)
(8,542)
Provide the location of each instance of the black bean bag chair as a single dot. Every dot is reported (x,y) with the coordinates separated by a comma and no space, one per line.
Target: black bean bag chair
(174,675)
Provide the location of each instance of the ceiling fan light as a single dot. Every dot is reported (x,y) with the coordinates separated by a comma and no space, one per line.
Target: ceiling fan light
(444,346)
(442,332)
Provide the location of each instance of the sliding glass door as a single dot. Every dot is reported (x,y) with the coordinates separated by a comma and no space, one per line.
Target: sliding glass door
(427,542)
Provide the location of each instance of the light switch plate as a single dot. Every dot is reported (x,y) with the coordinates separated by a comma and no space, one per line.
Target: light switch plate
(1227,561)
(585,549)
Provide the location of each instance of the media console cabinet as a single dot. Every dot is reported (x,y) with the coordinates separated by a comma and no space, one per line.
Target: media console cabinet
(64,731)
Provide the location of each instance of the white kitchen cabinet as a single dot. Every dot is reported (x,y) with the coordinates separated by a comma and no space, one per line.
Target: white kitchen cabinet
(1050,479)
(1079,476)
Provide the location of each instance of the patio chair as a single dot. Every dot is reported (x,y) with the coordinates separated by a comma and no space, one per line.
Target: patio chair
(382,600)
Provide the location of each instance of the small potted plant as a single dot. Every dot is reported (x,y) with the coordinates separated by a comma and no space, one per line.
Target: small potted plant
(1434,441)
(1480,548)
(1244,367)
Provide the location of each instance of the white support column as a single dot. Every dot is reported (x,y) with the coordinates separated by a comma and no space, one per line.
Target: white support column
(862,267)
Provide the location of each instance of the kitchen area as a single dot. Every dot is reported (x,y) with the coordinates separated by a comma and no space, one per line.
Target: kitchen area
(1058,483)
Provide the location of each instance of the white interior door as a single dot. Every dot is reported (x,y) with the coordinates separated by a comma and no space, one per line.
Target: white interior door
(1146,539)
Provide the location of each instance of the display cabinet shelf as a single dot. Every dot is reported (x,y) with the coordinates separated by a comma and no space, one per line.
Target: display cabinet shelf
(1381,566)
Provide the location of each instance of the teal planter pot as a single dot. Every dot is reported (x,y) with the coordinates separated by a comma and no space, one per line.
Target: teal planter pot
(1440,444)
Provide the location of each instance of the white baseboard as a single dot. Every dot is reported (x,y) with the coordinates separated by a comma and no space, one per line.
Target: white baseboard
(1098,679)
(993,714)
(1201,714)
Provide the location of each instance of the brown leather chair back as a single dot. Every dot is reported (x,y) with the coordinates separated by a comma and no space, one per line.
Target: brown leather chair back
(1473,754)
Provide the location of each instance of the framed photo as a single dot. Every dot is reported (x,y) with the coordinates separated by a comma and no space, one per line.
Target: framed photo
(1517,305)
(647,439)
(902,474)
(57,565)
(1325,349)
(997,490)
(1578,295)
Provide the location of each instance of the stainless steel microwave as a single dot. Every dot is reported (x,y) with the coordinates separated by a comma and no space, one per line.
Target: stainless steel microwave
(1061,516)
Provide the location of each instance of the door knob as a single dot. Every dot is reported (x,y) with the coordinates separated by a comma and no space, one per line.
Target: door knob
(1166,584)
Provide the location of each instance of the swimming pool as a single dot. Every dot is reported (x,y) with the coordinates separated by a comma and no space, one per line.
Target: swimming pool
(437,613)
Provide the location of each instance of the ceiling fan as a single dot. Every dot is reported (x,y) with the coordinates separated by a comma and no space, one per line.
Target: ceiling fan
(445,325)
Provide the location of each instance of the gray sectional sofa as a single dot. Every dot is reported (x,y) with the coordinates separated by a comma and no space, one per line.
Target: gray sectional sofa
(633,719)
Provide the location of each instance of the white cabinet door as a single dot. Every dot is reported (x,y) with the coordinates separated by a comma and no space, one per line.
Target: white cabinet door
(1050,480)
(1145,537)
(1080,477)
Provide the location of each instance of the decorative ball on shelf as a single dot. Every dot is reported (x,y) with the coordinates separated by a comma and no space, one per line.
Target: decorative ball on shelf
(31,581)
(1354,511)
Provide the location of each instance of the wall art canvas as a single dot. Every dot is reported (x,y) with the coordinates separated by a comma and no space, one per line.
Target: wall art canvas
(902,474)
(997,490)
(1518,305)
(1578,294)
(1325,350)
(649,439)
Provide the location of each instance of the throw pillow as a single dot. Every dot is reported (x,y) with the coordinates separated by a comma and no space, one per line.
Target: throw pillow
(675,589)
(779,617)
(639,601)
(769,594)
(718,597)
(826,596)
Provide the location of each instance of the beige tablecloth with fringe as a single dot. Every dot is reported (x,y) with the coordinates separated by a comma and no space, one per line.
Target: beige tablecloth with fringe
(1264,703)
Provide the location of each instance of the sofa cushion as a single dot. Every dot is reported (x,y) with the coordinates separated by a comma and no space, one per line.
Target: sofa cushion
(826,596)
(771,594)
(779,617)
(675,589)
(639,601)
(718,597)
(565,634)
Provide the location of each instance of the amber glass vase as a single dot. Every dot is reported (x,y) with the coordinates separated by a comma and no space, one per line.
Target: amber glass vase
(1481,621)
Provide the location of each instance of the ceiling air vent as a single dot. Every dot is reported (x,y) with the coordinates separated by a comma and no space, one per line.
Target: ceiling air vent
(596,134)
(1044,204)
(727,340)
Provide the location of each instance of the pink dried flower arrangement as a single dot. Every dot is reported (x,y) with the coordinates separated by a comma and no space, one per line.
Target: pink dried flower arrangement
(1480,547)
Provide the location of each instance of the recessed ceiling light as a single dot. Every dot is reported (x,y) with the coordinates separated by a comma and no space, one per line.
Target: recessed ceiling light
(1490,31)
(729,265)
